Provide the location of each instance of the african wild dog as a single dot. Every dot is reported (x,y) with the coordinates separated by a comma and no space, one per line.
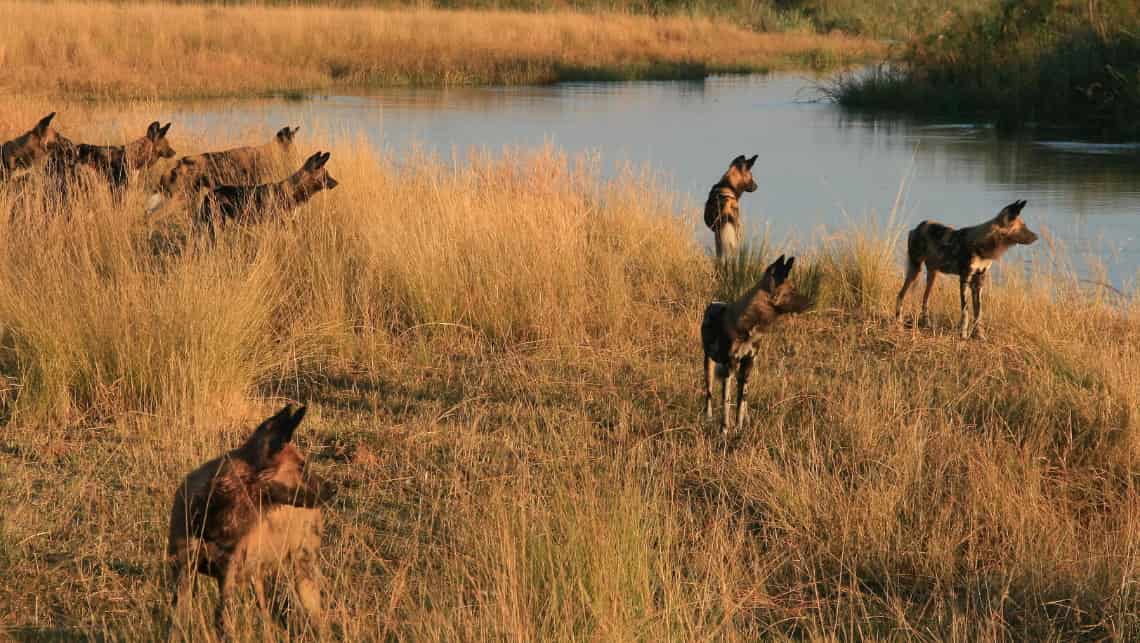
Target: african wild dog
(252,203)
(252,513)
(730,334)
(239,166)
(966,252)
(117,162)
(722,209)
(32,146)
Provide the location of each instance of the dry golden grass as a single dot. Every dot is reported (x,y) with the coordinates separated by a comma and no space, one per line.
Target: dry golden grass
(154,50)
(502,364)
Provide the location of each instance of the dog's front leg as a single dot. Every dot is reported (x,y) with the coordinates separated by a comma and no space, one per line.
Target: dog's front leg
(227,585)
(976,295)
(741,384)
(965,327)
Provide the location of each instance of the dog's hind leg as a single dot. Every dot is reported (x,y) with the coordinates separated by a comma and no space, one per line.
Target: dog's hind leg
(912,269)
(726,241)
(741,383)
(963,283)
(710,377)
(924,316)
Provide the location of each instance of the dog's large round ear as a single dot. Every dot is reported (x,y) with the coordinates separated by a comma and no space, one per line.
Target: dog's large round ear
(44,124)
(784,269)
(750,162)
(1012,211)
(285,134)
(154,131)
(277,431)
(314,162)
(739,161)
(162,132)
(775,268)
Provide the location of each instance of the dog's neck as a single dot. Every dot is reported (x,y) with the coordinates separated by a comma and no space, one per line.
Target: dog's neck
(994,243)
(301,187)
(990,241)
(139,154)
(726,187)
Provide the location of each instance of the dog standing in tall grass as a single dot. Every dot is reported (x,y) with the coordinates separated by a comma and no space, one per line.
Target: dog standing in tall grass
(966,252)
(722,208)
(730,335)
(246,165)
(250,514)
(116,163)
(253,203)
(31,147)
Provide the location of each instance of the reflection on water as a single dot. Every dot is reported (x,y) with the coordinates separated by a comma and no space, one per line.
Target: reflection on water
(819,166)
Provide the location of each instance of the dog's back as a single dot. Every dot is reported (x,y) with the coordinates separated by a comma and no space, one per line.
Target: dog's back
(246,165)
(935,244)
(108,160)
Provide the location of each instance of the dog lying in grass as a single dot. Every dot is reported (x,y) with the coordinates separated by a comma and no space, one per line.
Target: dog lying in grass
(730,335)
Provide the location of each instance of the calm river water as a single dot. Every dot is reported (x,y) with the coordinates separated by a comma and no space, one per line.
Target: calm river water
(820,167)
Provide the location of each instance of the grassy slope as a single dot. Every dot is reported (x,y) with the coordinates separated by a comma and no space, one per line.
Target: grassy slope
(502,361)
(103,50)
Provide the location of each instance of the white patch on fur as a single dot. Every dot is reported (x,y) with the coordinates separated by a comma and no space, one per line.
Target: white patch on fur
(281,533)
(749,346)
(726,241)
(153,202)
(978,264)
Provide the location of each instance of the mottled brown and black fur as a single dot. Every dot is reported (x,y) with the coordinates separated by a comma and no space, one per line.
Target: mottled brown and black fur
(730,334)
(252,203)
(29,148)
(116,163)
(722,209)
(250,513)
(239,166)
(966,252)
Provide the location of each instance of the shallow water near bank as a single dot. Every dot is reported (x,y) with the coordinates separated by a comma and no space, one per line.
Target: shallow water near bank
(819,167)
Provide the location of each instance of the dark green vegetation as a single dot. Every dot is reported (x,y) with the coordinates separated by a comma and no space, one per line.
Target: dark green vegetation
(1031,62)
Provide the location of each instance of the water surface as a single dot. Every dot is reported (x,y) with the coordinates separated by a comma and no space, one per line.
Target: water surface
(819,167)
